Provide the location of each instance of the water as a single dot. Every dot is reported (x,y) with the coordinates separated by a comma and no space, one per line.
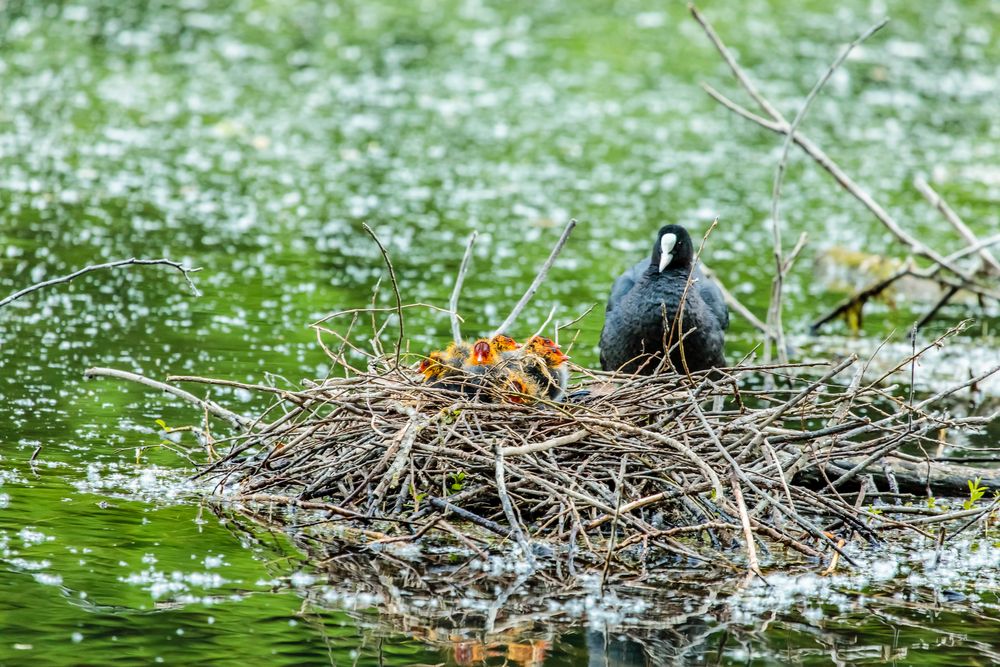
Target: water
(252,139)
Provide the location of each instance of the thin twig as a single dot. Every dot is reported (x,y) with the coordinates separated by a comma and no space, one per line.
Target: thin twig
(395,289)
(953,218)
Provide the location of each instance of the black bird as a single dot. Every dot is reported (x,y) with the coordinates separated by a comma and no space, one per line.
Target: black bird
(649,295)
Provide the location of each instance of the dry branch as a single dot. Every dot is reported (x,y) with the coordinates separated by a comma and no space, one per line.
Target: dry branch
(537,282)
(185,271)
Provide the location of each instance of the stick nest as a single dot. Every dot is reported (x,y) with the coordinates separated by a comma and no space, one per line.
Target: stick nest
(707,466)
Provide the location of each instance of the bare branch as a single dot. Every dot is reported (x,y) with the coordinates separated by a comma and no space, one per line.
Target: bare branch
(456,328)
(132,261)
(536,283)
(781,270)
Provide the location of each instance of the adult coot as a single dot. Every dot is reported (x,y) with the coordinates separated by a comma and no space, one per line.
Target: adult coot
(648,295)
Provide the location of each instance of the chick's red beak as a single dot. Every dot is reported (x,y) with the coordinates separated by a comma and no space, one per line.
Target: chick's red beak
(481,352)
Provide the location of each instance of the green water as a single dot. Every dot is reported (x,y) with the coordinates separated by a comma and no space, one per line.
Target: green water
(253,138)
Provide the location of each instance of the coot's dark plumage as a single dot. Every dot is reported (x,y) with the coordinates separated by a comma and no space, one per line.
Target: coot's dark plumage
(634,319)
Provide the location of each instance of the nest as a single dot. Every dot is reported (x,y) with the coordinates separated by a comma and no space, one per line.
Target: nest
(632,473)
(711,467)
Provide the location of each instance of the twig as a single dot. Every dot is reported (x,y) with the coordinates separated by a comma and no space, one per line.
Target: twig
(536,283)
(734,67)
(545,323)
(395,289)
(185,271)
(733,302)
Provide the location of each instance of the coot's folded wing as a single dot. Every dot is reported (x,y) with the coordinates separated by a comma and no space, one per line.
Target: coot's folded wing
(624,283)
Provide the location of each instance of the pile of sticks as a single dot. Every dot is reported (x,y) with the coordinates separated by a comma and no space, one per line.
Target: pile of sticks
(722,467)
(692,466)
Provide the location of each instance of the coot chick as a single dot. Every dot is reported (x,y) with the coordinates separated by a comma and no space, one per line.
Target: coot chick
(521,387)
(433,366)
(545,363)
(649,294)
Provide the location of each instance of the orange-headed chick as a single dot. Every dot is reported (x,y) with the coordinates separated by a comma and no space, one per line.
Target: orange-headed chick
(433,367)
(481,357)
(504,345)
(545,363)
(520,387)
(455,356)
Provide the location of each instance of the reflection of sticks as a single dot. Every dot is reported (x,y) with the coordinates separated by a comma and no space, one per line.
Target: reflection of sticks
(96,267)
(949,214)
(395,290)
(536,283)
(456,329)
(781,267)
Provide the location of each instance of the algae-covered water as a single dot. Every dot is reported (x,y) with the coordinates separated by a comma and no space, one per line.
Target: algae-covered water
(253,138)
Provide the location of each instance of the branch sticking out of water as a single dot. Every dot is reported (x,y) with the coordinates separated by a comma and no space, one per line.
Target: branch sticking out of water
(777,123)
(782,267)
(132,261)
(212,407)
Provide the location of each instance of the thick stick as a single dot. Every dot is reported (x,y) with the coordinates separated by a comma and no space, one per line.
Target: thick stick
(774,312)
(953,218)
(536,283)
(212,407)
(132,261)
(561,441)
(456,328)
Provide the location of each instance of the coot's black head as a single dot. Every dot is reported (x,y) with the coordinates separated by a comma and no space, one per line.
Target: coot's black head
(672,250)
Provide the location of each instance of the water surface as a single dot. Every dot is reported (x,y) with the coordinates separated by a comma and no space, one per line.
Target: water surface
(253,138)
